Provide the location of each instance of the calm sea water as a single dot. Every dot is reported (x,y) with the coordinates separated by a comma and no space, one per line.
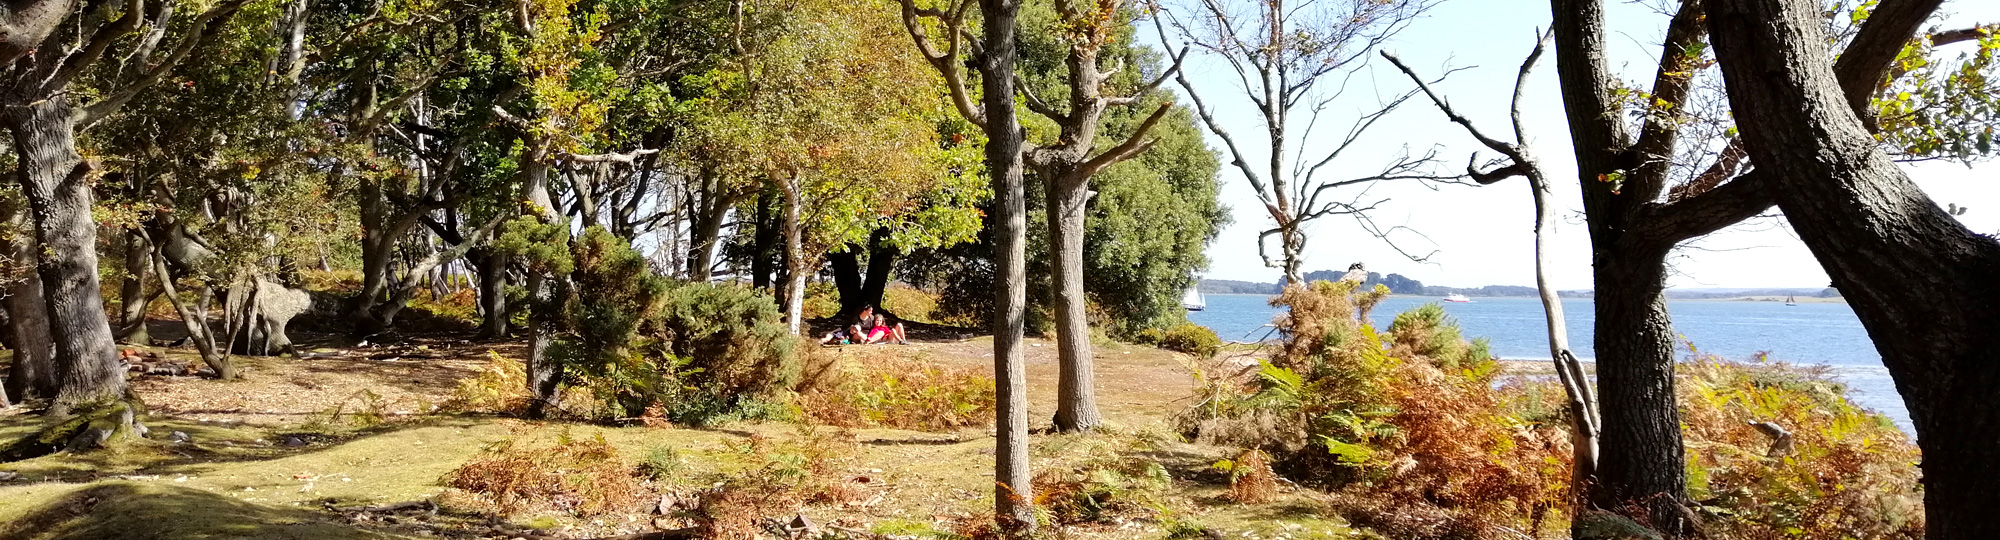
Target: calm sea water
(1813,333)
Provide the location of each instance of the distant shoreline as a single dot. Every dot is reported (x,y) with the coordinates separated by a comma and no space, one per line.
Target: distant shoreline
(1800,299)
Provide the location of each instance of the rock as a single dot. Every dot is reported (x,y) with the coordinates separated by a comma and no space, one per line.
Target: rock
(9,476)
(294,441)
(88,439)
(800,524)
(140,430)
(179,437)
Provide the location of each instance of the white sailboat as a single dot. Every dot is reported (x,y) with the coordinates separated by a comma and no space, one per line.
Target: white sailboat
(1193,300)
(1460,298)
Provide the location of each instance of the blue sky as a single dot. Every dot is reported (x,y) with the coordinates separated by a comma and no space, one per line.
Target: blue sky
(1483,234)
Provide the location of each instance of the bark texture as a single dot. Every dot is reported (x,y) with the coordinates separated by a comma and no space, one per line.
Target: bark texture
(1921,283)
(32,373)
(57,183)
(132,298)
(1076,391)
(1013,499)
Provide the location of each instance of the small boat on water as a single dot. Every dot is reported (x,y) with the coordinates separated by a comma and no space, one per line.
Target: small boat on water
(1194,301)
(1456,298)
(1791,300)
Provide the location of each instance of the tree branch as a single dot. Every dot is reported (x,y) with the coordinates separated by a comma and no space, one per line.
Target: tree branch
(205,26)
(1133,145)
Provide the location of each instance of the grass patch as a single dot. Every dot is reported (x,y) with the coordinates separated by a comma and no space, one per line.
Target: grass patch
(132,510)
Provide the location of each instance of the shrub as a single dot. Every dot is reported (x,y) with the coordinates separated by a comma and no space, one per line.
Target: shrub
(909,303)
(579,476)
(1192,339)
(822,300)
(501,387)
(1847,473)
(778,477)
(693,353)
(902,393)
(1149,336)
(1404,437)
(1096,478)
(731,349)
(456,311)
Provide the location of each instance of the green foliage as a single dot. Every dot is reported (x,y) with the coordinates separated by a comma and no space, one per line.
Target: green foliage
(1847,472)
(1146,230)
(1940,108)
(1426,331)
(661,463)
(1192,339)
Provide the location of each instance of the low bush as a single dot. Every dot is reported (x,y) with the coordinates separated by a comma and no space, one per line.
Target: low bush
(584,477)
(894,391)
(1371,417)
(776,478)
(1192,339)
(501,387)
(457,311)
(1825,468)
(822,300)
(910,303)
(1149,336)
(1097,479)
(692,353)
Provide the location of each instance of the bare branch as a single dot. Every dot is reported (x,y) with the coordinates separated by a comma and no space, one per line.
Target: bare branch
(1155,83)
(1445,106)
(627,158)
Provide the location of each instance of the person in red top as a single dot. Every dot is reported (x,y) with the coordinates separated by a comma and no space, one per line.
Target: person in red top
(880,331)
(852,333)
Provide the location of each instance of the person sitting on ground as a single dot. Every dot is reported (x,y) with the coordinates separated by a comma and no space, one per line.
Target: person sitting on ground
(883,332)
(851,333)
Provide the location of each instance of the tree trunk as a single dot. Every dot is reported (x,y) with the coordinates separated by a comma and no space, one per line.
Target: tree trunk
(32,374)
(881,260)
(1013,498)
(194,319)
(859,289)
(705,231)
(763,255)
(1076,392)
(795,271)
(1921,283)
(132,298)
(544,376)
(1642,460)
(492,267)
(846,267)
(1576,387)
(56,182)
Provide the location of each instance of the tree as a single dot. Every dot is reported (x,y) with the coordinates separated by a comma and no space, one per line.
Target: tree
(993,112)
(1066,163)
(31,374)
(1281,53)
(37,108)
(846,134)
(1521,161)
(1920,282)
